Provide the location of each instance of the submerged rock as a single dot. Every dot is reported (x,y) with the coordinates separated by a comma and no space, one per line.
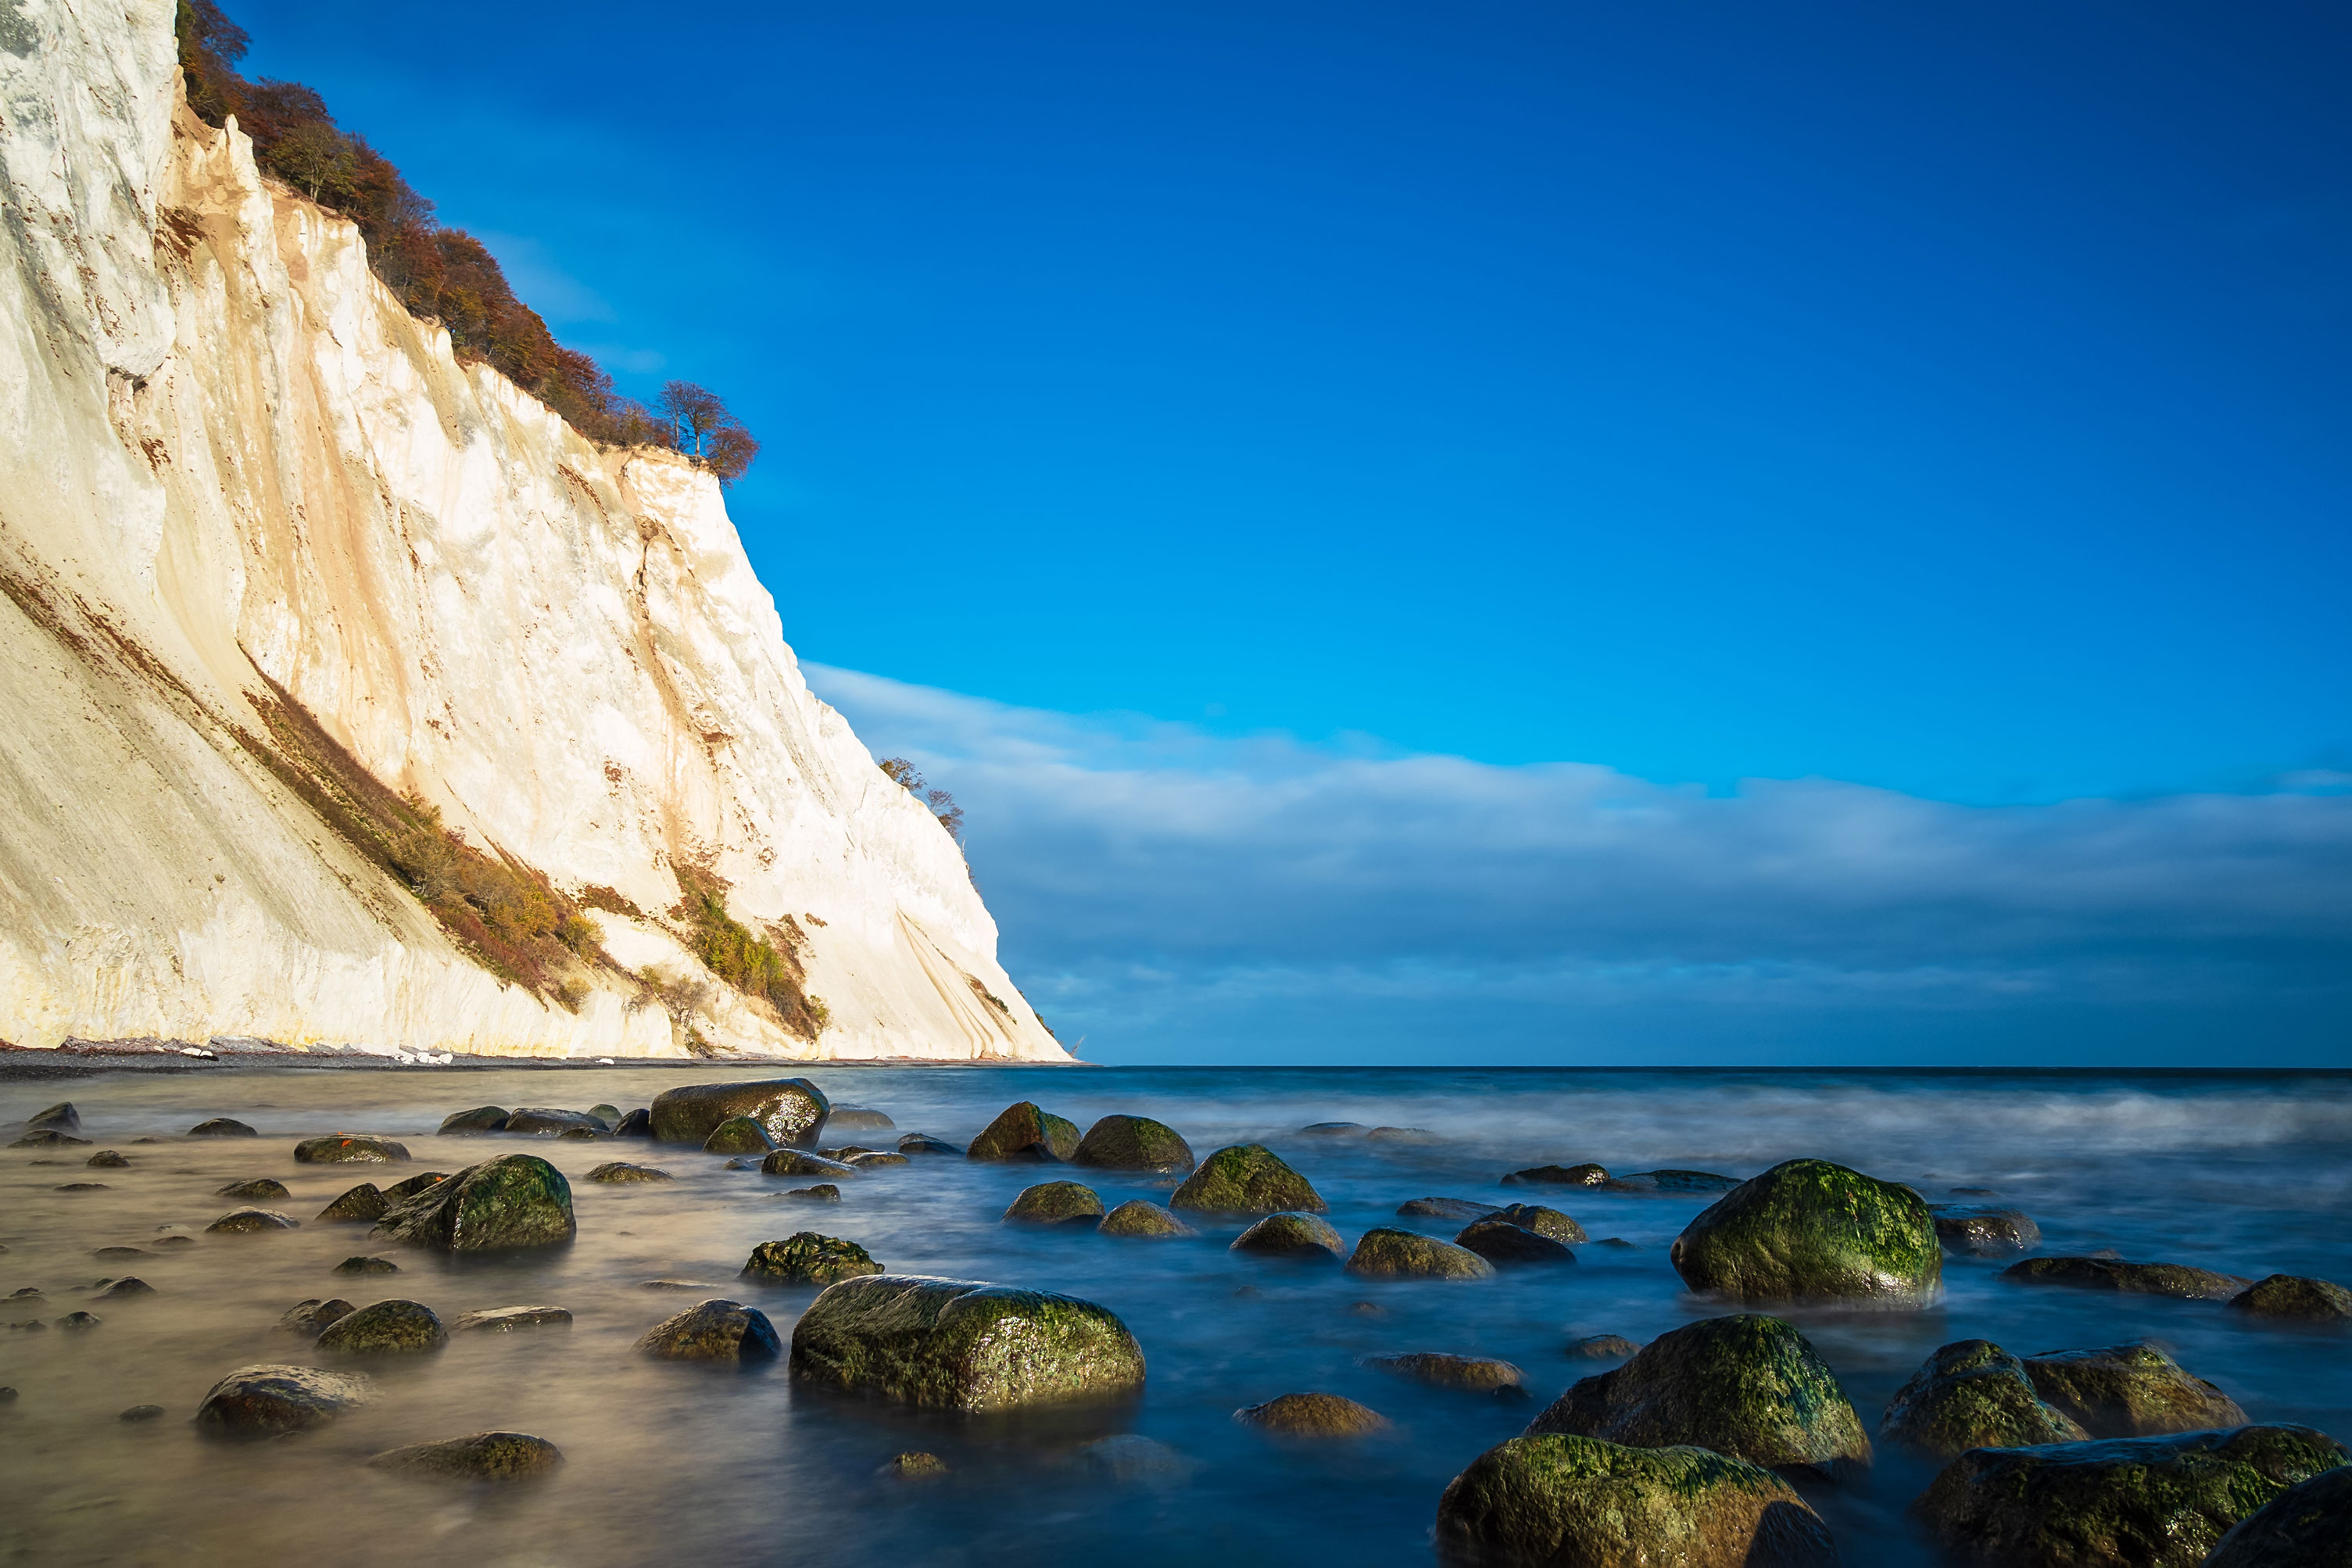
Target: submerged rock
(1973,1394)
(222,1127)
(344,1150)
(2291,1296)
(808,1258)
(1385,1253)
(2129,1278)
(246,1222)
(481,1119)
(1558,1176)
(1023,1131)
(961,1345)
(1409,1135)
(1055,1202)
(1984,1232)
(511,1319)
(2309,1525)
(1130,1459)
(823,1193)
(1599,1347)
(1134,1143)
(118,1254)
(2132,1390)
(1247,1178)
(108,1160)
(1480,1374)
(484,1456)
(798,1163)
(609,1116)
(791,1110)
(715,1331)
(1333,1130)
(914,1466)
(737,1135)
(125,1289)
(1577,1503)
(2152,1502)
(75,1322)
(364,1265)
(1672,1182)
(620,1171)
(309,1317)
(255,1190)
(924,1143)
(1313,1416)
(83,1187)
(265,1400)
(1507,1246)
(386,1328)
(508,1204)
(1807,1230)
(1747,1385)
(870,1157)
(364,1205)
(1291,1236)
(1455,1210)
(857,1118)
(139,1413)
(1142,1217)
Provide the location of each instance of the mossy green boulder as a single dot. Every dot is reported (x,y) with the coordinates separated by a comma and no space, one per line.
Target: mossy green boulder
(250,1222)
(2131,1390)
(1579,1502)
(801,1163)
(1024,1131)
(792,1110)
(2115,1274)
(1142,1217)
(2150,1503)
(728,1332)
(483,1456)
(386,1328)
(1313,1416)
(364,1205)
(739,1135)
(1807,1230)
(1747,1385)
(2294,1297)
(1973,1395)
(1055,1202)
(808,1258)
(1134,1143)
(1543,1221)
(1385,1253)
(1247,1178)
(961,1345)
(345,1149)
(2309,1525)
(621,1173)
(1292,1236)
(511,1204)
(1479,1374)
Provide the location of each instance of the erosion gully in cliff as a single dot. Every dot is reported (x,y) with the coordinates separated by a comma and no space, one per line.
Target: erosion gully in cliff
(353,699)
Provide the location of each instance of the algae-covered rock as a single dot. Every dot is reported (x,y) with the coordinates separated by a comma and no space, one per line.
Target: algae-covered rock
(367,1266)
(1562,1502)
(808,1258)
(108,1160)
(737,1135)
(1313,1416)
(868,1159)
(1973,1395)
(2114,1274)
(1291,1236)
(2309,1525)
(800,1162)
(400,1192)
(508,1204)
(924,1143)
(1384,1254)
(222,1127)
(913,1465)
(1747,1385)
(2293,1296)
(961,1345)
(386,1328)
(1134,1143)
(511,1319)
(823,1193)
(266,1400)
(1983,1231)
(1807,1230)
(714,1330)
(484,1456)
(1055,1202)
(343,1149)
(2131,1390)
(256,1189)
(1510,1245)
(620,1172)
(1543,1221)
(1142,1217)
(2149,1502)
(250,1222)
(1023,1131)
(363,1205)
(307,1318)
(1247,1178)
(1585,1175)
(1479,1374)
(792,1110)
(1456,1210)
(481,1119)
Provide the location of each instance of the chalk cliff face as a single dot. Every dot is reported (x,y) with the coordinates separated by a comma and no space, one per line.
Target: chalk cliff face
(271,553)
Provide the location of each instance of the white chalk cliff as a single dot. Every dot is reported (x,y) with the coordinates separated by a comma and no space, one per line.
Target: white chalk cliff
(243,493)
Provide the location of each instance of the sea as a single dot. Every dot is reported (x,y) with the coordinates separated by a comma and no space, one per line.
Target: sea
(2247,1173)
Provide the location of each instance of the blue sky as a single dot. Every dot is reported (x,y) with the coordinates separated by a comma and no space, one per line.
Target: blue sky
(1163,401)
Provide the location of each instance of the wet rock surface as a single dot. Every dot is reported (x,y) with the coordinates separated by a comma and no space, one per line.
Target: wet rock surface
(1747,1385)
(2309,1525)
(1313,1416)
(1458,1210)
(1292,1236)
(343,1148)
(2133,1390)
(1134,1143)
(1984,1231)
(1510,1245)
(823,1193)
(1599,1347)
(259,1189)
(1384,1254)
(924,1143)
(1055,1202)
(1142,1217)
(1808,1230)
(857,1118)
(310,1318)
(808,1258)
(2296,1299)
(363,1205)
(961,1345)
(250,1222)
(1559,1176)
(2129,1278)
(914,1466)
(1024,1131)
(1543,1221)
(1440,1369)
(800,1162)
(1973,1395)
(366,1264)
(508,1204)
(129,1288)
(108,1160)
(1247,1178)
(386,1328)
(222,1127)
(739,1135)
(511,1319)
(268,1399)
(481,1119)
(714,1330)
(791,1112)
(638,1123)
(497,1457)
(620,1172)
(400,1192)
(540,1121)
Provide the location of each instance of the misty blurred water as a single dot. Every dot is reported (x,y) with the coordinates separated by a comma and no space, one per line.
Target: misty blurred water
(2247,1174)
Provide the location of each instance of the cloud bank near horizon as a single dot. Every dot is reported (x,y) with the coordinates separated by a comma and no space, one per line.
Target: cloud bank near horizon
(1176,896)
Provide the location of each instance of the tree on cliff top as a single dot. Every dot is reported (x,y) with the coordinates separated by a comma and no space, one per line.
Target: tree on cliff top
(702,428)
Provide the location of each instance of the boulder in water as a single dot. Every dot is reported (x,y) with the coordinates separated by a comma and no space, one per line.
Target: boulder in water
(1479,1374)
(959,1344)
(914,1466)
(924,1143)
(511,1319)
(1384,1254)
(366,1264)
(2132,1390)
(1599,1347)
(1292,1236)
(343,1149)
(222,1127)
(1579,1502)
(866,1159)
(108,1160)
(1457,1210)
(609,1115)
(47,1138)
(1055,1202)
(484,1456)
(1142,1217)
(1558,1176)
(508,1204)
(1973,1395)
(716,1331)
(2128,1278)
(798,1163)
(823,1193)
(638,1123)
(1509,1246)
(400,1192)
(1747,1385)
(1313,1416)
(125,1289)
(254,1189)
(1543,1221)
(2309,1525)
(364,1205)
(1807,1230)
(739,1135)
(249,1221)
(1023,1131)
(386,1328)
(621,1173)
(808,1258)
(1671,1181)
(1333,1130)
(309,1317)
(1394,1136)
(1247,1178)
(2154,1502)
(59,1117)
(266,1400)
(2295,1297)
(1134,1143)
(1981,1231)
(857,1118)
(469,1124)
(790,1110)
(75,1322)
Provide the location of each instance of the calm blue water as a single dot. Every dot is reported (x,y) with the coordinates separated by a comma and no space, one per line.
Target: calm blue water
(2247,1173)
